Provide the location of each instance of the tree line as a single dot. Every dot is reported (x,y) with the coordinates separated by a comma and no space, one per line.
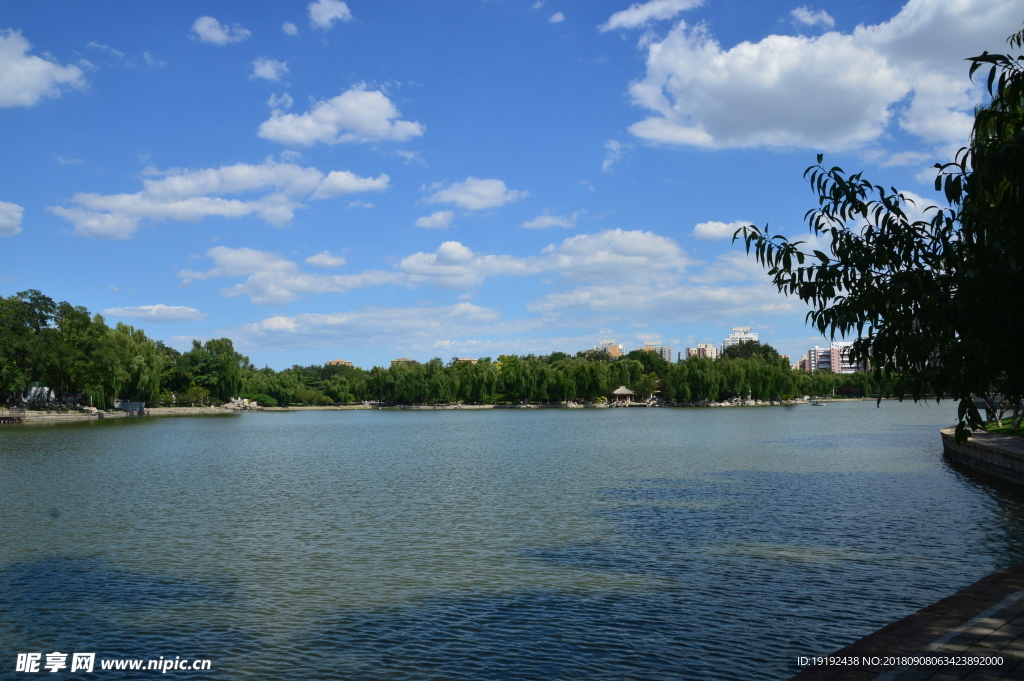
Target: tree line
(88,362)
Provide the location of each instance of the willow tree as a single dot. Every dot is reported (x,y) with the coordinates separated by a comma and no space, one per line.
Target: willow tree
(936,305)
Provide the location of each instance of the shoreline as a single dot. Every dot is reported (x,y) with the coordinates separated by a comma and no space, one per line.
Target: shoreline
(36,417)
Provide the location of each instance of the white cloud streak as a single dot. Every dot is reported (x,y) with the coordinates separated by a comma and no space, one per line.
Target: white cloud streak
(156,313)
(615,150)
(546,221)
(640,14)
(374,326)
(191,195)
(274,280)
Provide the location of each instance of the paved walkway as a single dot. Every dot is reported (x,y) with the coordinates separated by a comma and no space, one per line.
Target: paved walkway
(997,632)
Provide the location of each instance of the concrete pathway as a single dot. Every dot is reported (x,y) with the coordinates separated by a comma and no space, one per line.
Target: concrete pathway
(996,633)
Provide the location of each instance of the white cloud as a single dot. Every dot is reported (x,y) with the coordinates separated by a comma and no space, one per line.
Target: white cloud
(10,218)
(476,194)
(442,219)
(156,313)
(106,48)
(421,326)
(617,255)
(645,275)
(67,161)
(412,157)
(289,28)
(153,61)
(556,18)
(454,266)
(717,230)
(613,254)
(191,195)
(209,30)
(323,13)
(340,182)
(675,303)
(274,280)
(356,115)
(546,221)
(270,69)
(25,79)
(615,149)
(325,259)
(835,91)
(285,101)
(640,14)
(806,16)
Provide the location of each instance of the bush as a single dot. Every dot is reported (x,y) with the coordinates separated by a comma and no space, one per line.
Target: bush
(261,399)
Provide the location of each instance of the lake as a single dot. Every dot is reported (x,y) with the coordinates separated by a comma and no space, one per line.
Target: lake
(504,544)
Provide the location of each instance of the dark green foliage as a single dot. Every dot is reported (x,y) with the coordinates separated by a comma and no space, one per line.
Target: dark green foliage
(937,304)
(61,346)
(749,348)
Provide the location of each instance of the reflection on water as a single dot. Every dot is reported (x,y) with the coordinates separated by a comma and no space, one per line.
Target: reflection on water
(523,544)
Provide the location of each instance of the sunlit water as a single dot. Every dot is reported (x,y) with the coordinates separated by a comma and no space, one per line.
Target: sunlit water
(506,544)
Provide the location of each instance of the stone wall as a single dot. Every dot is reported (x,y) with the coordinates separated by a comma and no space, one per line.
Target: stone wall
(1001,456)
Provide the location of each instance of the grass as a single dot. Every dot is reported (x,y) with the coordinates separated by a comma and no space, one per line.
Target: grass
(992,427)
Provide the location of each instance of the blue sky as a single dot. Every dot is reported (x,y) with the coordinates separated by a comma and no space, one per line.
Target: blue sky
(321,180)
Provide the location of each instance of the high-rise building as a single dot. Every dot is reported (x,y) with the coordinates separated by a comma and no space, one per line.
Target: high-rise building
(835,358)
(738,335)
(611,347)
(703,350)
(657,347)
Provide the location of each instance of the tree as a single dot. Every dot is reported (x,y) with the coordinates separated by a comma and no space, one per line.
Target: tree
(749,348)
(937,305)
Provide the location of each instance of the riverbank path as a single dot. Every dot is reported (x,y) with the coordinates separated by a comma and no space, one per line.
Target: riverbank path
(996,633)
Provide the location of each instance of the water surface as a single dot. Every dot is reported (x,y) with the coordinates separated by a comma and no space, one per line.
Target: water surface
(506,544)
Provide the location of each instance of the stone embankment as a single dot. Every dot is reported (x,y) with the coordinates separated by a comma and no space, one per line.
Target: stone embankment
(1001,456)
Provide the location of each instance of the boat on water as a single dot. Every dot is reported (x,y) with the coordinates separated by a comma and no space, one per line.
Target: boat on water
(817,403)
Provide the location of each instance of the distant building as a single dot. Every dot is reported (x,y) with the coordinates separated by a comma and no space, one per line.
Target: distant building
(339,363)
(739,334)
(703,350)
(835,358)
(804,364)
(401,360)
(611,347)
(657,347)
(466,359)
